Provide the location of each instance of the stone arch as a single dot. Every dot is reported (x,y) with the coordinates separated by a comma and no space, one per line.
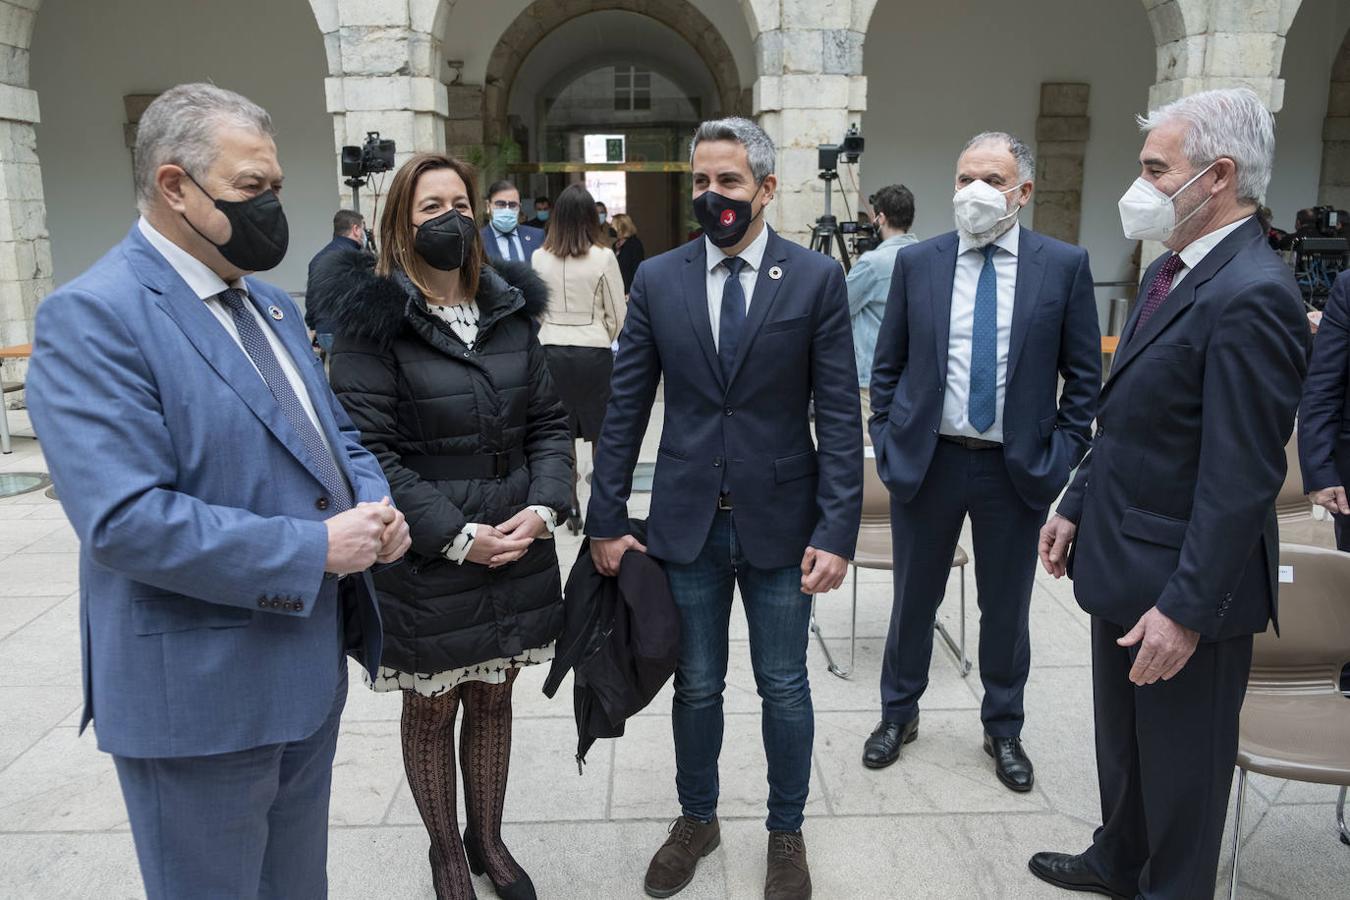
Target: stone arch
(1334,183)
(543,16)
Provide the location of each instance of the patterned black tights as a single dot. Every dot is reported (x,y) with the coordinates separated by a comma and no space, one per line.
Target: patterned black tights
(485,758)
(428,729)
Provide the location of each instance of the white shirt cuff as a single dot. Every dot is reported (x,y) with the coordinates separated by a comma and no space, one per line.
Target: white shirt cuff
(458,549)
(548,515)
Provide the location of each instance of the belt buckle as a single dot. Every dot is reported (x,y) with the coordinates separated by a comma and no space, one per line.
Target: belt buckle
(724,502)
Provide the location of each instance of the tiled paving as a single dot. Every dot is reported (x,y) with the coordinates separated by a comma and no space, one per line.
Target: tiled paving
(936,824)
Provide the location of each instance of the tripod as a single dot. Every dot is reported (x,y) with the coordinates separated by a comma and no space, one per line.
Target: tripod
(825,235)
(356,183)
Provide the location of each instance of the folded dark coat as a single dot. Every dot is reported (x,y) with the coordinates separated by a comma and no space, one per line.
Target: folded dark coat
(621,639)
(419,394)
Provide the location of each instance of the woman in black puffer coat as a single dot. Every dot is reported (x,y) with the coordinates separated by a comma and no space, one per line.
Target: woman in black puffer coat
(437,360)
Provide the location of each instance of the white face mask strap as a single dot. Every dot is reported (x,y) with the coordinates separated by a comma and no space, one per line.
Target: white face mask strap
(1193,179)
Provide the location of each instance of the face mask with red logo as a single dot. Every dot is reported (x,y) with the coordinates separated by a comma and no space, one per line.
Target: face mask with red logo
(725,221)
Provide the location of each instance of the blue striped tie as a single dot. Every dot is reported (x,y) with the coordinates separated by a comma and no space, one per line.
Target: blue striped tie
(259,350)
(732,322)
(984,347)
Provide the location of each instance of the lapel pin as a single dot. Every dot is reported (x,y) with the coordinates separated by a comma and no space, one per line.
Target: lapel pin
(775,273)
(276,313)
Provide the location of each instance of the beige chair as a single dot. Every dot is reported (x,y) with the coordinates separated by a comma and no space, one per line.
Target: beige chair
(874,552)
(1295,720)
(1295,512)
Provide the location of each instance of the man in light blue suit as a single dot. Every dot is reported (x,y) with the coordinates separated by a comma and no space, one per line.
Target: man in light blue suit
(226,510)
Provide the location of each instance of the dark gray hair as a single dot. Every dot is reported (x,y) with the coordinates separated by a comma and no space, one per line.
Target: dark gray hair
(1026,158)
(180,128)
(1232,122)
(758,145)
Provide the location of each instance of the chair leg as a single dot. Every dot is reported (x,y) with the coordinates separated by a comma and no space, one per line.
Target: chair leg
(1237,832)
(963,664)
(853,636)
(1340,818)
(4,427)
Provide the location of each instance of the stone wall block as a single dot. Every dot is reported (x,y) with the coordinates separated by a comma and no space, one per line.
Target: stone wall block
(769,53)
(811,127)
(1335,129)
(857,94)
(1338,99)
(843,52)
(1064,99)
(803,52)
(1168,22)
(1248,15)
(815,92)
(373,12)
(862,15)
(1054,172)
(761,15)
(13,65)
(374,51)
(1062,128)
(465,101)
(1183,58)
(814,14)
(767,94)
(1249,55)
(464,132)
(18,104)
(16,25)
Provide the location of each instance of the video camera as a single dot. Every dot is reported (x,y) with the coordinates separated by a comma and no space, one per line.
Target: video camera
(828,234)
(372,157)
(1317,255)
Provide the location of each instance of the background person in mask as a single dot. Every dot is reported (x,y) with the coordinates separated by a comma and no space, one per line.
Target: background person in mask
(543,209)
(504,238)
(349,236)
(219,492)
(968,419)
(745,328)
(436,359)
(1174,547)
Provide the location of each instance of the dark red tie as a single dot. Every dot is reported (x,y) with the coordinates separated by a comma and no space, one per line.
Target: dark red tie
(1159,289)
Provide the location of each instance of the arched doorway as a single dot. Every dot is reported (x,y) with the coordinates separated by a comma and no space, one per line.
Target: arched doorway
(605,80)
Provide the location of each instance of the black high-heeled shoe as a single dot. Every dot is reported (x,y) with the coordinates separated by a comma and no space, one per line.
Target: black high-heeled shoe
(520,889)
(574,521)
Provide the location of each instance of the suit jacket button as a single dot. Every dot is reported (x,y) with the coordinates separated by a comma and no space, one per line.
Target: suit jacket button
(717,462)
(276,604)
(321,504)
(1100,431)
(262,603)
(728,410)
(299,605)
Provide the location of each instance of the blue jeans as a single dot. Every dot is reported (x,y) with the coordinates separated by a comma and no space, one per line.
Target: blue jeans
(778,614)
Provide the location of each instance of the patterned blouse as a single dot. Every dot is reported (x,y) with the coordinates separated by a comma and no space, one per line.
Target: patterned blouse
(463,321)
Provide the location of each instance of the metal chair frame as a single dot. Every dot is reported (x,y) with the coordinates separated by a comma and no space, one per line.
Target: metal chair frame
(1237,827)
(6,387)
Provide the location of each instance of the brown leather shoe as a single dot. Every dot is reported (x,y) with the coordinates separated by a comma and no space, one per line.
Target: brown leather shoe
(672,868)
(788,878)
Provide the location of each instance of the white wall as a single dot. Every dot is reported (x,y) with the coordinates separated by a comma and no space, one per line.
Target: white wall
(86,56)
(1310,49)
(473,29)
(939,73)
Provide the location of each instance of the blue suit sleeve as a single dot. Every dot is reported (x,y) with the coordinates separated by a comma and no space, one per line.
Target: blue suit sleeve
(96,408)
(1322,411)
(1080,364)
(637,372)
(834,386)
(892,355)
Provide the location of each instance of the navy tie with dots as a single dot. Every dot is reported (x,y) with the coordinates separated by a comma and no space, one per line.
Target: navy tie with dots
(732,324)
(984,347)
(259,350)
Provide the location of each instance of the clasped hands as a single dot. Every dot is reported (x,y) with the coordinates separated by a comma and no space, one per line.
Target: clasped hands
(494,547)
(1165,645)
(364,535)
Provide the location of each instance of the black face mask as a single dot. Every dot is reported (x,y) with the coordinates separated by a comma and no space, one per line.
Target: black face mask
(725,221)
(444,241)
(259,234)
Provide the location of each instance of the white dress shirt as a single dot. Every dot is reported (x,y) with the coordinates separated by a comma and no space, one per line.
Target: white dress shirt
(969,263)
(717,277)
(504,242)
(1198,249)
(208,286)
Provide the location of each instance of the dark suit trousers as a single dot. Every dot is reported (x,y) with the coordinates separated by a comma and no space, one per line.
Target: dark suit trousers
(253,823)
(924,534)
(1165,757)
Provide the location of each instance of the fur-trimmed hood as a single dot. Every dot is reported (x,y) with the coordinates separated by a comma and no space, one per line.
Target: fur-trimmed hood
(359,303)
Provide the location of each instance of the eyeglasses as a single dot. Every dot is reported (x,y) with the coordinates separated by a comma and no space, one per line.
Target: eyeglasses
(506,204)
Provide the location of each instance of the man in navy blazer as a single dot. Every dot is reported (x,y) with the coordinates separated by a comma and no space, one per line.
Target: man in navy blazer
(1323,435)
(226,511)
(1171,517)
(503,236)
(968,419)
(746,329)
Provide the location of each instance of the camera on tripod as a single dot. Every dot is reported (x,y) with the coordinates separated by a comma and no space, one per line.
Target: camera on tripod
(828,235)
(371,158)
(1318,254)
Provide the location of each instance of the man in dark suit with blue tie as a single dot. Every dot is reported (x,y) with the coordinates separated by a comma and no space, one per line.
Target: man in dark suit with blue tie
(226,510)
(746,329)
(504,237)
(1171,517)
(1324,414)
(968,419)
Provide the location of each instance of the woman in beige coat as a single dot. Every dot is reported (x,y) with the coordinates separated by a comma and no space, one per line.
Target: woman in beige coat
(585,314)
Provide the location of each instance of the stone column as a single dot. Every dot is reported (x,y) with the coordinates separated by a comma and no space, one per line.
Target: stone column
(1334,186)
(25,249)
(1061,145)
(386,73)
(809,89)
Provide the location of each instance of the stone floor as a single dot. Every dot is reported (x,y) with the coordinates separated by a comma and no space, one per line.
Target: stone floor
(936,824)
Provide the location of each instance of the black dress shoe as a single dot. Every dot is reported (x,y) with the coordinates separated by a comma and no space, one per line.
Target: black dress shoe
(883,747)
(1073,874)
(1011,764)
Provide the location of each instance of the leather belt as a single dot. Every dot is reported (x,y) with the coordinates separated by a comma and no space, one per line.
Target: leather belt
(724,502)
(971,443)
(463,468)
